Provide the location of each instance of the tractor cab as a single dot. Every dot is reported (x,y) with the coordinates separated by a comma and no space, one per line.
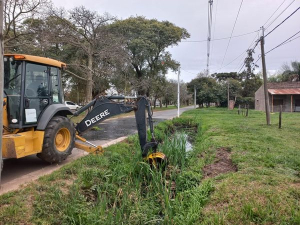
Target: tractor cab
(31,84)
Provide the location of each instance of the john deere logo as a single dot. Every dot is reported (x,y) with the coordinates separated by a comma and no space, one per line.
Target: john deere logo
(97,118)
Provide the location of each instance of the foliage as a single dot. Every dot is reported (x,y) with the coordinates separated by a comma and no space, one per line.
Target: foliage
(207,90)
(118,188)
(288,73)
(146,43)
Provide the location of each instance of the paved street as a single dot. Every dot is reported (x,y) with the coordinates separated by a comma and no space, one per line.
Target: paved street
(20,171)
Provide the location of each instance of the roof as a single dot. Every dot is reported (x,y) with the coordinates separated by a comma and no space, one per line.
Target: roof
(38,59)
(285,91)
(283,85)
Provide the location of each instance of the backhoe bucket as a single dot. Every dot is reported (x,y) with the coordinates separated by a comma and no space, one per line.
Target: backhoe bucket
(157,160)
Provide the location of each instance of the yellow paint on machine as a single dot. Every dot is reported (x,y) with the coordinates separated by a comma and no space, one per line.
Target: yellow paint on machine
(22,144)
(4,119)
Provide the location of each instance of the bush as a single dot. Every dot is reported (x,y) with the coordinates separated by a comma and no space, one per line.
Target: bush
(244,101)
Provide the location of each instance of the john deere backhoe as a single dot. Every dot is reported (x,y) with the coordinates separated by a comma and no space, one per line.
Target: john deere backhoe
(35,120)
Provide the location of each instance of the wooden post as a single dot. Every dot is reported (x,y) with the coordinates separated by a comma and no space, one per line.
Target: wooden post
(239,111)
(280,112)
(291,103)
(247,110)
(272,103)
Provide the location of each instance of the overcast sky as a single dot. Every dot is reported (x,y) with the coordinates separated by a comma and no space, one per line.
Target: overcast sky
(192,15)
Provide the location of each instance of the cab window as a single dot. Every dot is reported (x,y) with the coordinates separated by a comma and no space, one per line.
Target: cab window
(36,82)
(55,87)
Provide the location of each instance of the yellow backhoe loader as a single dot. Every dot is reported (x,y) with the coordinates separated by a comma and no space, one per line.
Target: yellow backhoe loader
(36,120)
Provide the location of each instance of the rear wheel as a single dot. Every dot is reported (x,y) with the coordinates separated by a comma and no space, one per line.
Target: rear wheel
(59,140)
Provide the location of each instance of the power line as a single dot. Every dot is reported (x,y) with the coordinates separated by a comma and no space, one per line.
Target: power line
(274,12)
(232,31)
(258,40)
(245,52)
(252,42)
(279,15)
(231,61)
(189,72)
(219,39)
(282,22)
(284,42)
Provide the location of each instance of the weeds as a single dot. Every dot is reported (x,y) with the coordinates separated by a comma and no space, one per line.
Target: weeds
(119,188)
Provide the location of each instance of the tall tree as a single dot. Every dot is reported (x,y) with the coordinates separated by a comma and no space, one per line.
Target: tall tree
(15,13)
(207,90)
(146,43)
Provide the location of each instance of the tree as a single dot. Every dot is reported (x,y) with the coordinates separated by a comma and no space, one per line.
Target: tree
(250,66)
(15,13)
(207,90)
(146,44)
(225,76)
(96,49)
(291,72)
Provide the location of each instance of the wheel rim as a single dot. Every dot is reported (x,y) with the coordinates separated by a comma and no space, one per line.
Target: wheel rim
(62,139)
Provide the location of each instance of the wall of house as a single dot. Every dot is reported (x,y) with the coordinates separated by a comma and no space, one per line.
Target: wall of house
(260,100)
(286,107)
(286,103)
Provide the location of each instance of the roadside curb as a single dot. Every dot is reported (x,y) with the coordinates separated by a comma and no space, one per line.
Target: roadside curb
(22,181)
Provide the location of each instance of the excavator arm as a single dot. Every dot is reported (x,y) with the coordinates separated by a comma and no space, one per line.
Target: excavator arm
(104,107)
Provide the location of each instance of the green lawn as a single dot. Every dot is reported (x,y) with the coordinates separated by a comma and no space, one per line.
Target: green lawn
(118,187)
(266,188)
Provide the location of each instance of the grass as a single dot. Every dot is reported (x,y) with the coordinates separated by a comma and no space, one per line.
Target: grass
(119,188)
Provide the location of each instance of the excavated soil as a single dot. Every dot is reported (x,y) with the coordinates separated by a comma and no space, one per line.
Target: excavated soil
(222,164)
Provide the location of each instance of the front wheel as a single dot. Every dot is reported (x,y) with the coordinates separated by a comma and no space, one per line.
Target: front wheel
(59,139)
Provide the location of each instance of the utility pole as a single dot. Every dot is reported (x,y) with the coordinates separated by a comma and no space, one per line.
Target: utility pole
(1,82)
(178,93)
(195,94)
(267,103)
(228,105)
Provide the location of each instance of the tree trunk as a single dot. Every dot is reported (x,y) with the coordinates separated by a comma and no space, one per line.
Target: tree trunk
(160,103)
(154,103)
(89,84)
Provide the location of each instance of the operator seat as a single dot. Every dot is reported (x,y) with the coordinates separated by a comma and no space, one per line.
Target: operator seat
(37,87)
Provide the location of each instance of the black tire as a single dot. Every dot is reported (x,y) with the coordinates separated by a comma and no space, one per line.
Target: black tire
(54,150)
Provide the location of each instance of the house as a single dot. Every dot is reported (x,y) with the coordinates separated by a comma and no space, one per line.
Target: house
(286,94)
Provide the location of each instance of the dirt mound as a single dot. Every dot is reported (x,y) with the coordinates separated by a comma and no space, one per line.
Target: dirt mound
(222,164)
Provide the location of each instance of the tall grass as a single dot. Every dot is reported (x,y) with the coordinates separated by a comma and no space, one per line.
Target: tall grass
(119,188)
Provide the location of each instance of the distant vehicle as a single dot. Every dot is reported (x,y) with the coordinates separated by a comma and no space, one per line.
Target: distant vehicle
(72,105)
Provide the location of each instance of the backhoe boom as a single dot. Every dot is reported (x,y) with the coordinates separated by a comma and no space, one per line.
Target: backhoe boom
(103,108)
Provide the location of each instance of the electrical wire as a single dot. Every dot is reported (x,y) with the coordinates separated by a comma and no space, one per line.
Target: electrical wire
(219,39)
(282,22)
(279,15)
(243,53)
(274,12)
(284,42)
(242,62)
(189,72)
(237,16)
